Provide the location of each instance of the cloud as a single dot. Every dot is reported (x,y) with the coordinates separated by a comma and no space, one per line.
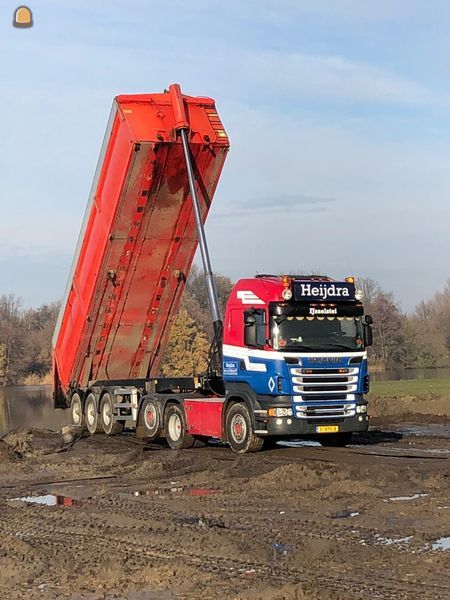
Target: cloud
(280,204)
(333,78)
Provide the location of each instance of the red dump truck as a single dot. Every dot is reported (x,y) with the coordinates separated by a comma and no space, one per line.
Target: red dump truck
(291,357)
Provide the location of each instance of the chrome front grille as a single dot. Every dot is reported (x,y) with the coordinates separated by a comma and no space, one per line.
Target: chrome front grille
(324,411)
(324,393)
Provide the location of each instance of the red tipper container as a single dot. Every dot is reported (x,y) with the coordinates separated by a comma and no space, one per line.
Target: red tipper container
(137,241)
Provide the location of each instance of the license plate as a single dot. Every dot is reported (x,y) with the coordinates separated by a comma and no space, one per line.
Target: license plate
(327,429)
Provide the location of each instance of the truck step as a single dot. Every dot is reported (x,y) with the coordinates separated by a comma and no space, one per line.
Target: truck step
(122,405)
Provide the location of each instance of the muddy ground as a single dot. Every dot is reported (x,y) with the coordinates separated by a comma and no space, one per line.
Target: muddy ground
(124,519)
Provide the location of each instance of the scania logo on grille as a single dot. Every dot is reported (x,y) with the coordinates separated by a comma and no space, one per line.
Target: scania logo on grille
(324,360)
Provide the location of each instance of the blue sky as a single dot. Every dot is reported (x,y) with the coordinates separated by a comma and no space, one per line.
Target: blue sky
(337,111)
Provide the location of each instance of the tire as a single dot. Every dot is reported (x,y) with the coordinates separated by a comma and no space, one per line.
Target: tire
(149,420)
(91,416)
(239,432)
(109,425)
(336,439)
(76,410)
(175,428)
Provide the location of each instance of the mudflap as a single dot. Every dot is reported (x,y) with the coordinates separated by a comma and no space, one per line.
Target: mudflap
(58,396)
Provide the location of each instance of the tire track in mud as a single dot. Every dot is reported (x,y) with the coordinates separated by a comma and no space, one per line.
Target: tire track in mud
(66,540)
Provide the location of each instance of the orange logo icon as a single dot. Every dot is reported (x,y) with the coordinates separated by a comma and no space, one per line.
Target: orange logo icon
(23,17)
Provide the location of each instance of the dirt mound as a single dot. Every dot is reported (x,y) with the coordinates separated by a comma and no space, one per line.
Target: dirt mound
(33,442)
(7,454)
(346,487)
(286,592)
(290,477)
(409,405)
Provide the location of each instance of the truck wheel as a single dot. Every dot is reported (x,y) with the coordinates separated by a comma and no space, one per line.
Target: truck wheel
(336,439)
(91,415)
(149,420)
(238,428)
(109,425)
(76,410)
(175,428)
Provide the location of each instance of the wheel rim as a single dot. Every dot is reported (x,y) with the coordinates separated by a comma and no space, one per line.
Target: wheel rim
(238,428)
(76,412)
(174,427)
(90,413)
(150,416)
(106,414)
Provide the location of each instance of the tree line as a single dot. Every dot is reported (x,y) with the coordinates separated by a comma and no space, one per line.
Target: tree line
(420,339)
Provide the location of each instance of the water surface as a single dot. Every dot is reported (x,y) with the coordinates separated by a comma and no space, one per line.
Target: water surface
(29,406)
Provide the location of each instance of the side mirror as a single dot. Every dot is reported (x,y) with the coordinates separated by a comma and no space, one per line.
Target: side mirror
(368,335)
(368,319)
(255,328)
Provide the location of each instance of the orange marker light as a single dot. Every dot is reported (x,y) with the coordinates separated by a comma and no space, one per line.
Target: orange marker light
(23,17)
(350,279)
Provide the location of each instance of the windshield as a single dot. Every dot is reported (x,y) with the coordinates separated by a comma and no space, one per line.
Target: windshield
(316,333)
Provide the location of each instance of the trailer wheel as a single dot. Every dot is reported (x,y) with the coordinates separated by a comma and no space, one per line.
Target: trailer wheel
(76,410)
(149,421)
(91,415)
(109,425)
(175,428)
(238,428)
(336,439)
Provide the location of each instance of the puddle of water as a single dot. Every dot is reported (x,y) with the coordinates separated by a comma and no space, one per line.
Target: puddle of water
(29,406)
(179,489)
(202,492)
(413,497)
(344,514)
(442,543)
(386,541)
(426,430)
(300,443)
(47,500)
(283,549)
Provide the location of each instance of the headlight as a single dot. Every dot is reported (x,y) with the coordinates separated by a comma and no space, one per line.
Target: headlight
(280,412)
(287,294)
(362,408)
(359,295)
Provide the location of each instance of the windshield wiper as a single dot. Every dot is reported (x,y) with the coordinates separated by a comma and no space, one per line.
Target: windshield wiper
(299,349)
(342,347)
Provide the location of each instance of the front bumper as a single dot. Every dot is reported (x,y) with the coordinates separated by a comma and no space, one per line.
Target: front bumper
(291,427)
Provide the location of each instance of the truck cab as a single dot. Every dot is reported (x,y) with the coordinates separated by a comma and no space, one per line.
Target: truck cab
(294,349)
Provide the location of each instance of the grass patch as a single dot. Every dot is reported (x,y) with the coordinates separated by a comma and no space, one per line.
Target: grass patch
(426,388)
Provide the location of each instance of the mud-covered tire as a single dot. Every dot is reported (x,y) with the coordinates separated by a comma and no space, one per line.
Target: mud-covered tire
(337,440)
(76,410)
(149,420)
(175,428)
(91,415)
(108,423)
(239,431)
